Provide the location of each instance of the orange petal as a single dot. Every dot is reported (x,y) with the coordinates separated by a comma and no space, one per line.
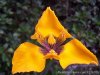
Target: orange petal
(28,57)
(75,52)
(49,25)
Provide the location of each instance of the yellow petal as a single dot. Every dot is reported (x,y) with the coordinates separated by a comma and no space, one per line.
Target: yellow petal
(49,24)
(75,52)
(28,57)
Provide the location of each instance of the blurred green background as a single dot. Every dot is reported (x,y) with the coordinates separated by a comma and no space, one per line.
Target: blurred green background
(19,17)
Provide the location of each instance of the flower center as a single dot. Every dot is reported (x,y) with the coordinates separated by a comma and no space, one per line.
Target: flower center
(51,46)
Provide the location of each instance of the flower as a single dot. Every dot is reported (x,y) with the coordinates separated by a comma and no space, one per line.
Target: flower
(51,37)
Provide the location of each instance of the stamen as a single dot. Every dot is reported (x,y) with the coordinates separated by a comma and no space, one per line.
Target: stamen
(51,40)
(63,35)
(52,54)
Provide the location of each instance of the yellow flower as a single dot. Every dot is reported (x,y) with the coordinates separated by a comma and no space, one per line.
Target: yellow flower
(52,37)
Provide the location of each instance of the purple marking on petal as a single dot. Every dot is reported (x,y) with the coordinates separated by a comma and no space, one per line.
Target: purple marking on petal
(46,45)
(58,44)
(44,51)
(57,48)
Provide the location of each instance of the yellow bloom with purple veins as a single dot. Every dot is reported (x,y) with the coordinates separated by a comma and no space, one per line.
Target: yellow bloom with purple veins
(51,36)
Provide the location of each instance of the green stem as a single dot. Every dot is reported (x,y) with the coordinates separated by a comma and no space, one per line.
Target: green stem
(35,73)
(47,68)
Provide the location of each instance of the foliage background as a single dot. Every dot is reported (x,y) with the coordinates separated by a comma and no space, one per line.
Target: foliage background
(19,17)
